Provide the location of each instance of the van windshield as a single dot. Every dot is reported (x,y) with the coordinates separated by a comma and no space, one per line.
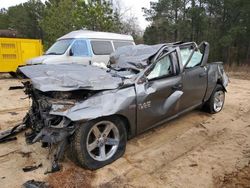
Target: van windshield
(59,47)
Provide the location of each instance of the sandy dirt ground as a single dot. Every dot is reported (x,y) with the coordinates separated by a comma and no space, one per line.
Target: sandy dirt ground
(195,150)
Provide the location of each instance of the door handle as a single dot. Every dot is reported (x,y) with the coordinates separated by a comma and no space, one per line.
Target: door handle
(177,86)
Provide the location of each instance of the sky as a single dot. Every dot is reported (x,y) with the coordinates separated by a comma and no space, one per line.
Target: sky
(133,7)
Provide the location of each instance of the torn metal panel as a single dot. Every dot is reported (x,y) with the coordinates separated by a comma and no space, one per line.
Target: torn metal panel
(69,77)
(53,135)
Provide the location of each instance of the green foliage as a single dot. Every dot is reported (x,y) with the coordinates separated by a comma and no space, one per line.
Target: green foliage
(55,18)
(25,18)
(63,16)
(225,24)
(59,19)
(4,20)
(98,15)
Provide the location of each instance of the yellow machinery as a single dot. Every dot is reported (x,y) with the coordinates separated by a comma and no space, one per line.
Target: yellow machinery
(15,52)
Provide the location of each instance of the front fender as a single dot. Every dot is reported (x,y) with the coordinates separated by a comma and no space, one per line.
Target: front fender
(105,103)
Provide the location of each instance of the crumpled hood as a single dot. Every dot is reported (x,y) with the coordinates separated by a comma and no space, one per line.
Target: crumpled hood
(69,77)
(134,56)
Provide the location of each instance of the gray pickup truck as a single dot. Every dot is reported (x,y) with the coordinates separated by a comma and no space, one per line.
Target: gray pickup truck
(95,110)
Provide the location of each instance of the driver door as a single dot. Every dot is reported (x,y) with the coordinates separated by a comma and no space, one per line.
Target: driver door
(158,97)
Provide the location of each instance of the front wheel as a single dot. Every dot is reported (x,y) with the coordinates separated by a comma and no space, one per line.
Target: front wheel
(99,142)
(216,101)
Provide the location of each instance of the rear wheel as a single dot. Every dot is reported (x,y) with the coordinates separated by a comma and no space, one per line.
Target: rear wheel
(99,142)
(216,101)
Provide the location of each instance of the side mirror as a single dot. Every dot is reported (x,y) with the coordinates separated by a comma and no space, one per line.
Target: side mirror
(71,53)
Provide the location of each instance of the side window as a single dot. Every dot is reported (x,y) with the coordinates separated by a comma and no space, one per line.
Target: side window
(79,48)
(118,44)
(102,47)
(162,68)
(195,59)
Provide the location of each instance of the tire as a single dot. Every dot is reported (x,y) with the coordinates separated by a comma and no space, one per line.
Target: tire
(216,101)
(92,149)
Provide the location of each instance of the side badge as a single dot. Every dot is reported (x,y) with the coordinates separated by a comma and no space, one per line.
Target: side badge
(144,105)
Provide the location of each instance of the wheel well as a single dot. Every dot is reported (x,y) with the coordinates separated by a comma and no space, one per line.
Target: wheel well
(123,119)
(126,122)
(219,81)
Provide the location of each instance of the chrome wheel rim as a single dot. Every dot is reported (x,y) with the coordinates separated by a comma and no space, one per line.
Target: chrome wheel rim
(103,140)
(219,98)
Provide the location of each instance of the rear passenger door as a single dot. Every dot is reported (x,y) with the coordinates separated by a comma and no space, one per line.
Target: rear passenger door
(194,79)
(101,51)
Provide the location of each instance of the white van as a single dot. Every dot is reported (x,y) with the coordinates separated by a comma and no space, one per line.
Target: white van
(84,47)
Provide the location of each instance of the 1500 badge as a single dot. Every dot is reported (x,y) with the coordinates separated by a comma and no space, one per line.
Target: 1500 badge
(144,105)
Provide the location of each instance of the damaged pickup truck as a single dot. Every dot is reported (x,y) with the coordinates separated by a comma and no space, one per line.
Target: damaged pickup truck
(95,110)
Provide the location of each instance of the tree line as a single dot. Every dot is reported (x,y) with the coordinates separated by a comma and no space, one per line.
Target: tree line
(54,18)
(225,24)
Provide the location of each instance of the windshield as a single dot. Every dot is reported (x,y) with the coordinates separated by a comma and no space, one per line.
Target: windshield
(59,47)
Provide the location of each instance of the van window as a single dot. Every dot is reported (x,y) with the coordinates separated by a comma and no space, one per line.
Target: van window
(59,47)
(118,44)
(79,48)
(102,47)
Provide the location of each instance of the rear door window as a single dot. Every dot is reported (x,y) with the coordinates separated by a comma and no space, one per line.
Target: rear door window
(118,44)
(101,47)
(195,59)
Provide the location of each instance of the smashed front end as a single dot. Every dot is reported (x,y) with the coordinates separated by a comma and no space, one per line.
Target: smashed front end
(56,92)
(50,130)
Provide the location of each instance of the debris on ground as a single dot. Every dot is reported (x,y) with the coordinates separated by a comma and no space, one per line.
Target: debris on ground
(13,113)
(4,140)
(35,184)
(15,87)
(31,168)
(11,132)
(193,165)
(55,167)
